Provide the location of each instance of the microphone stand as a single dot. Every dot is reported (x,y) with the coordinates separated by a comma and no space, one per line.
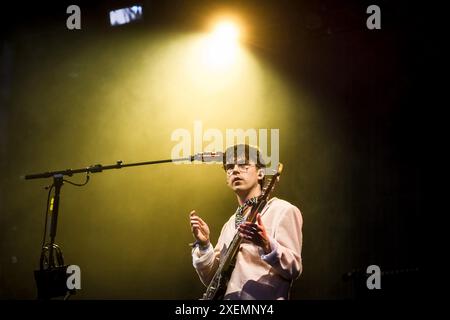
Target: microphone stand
(51,280)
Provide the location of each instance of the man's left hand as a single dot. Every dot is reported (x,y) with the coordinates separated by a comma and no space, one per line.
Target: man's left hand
(256,233)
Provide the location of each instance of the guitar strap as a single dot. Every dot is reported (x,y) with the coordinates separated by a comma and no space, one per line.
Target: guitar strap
(239,214)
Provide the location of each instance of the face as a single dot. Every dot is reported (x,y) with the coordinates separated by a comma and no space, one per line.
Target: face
(243,177)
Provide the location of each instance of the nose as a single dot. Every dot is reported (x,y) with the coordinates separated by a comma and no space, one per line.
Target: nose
(235,170)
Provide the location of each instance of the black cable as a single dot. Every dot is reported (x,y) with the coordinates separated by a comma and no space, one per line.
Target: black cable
(46,215)
(77,184)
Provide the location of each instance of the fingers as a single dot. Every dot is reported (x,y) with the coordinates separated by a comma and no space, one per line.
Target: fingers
(198,222)
(243,235)
(251,236)
(195,218)
(193,215)
(249,231)
(246,232)
(251,227)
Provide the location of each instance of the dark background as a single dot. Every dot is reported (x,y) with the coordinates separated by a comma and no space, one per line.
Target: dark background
(353,166)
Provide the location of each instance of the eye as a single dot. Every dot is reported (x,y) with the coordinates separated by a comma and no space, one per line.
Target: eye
(229,167)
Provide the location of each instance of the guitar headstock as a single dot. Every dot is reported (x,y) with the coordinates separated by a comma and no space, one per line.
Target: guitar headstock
(271,181)
(273,172)
(279,169)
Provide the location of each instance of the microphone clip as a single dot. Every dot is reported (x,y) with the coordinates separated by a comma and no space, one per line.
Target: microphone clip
(208,157)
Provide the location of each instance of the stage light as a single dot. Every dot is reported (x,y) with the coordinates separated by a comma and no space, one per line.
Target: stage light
(226,32)
(125,15)
(222,45)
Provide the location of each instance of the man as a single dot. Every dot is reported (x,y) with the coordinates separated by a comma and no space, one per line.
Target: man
(269,259)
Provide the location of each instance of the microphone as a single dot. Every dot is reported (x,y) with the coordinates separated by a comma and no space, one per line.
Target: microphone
(208,157)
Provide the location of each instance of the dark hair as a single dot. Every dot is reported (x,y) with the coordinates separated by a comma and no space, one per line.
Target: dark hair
(240,153)
(243,152)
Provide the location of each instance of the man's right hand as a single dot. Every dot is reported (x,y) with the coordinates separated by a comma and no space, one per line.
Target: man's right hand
(199,228)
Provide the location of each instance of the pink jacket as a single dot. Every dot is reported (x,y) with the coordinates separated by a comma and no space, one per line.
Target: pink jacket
(259,276)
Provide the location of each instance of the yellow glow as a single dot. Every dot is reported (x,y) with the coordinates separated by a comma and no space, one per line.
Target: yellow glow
(226,31)
(212,66)
(221,46)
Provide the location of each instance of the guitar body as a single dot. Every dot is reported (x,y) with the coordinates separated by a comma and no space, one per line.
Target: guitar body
(216,289)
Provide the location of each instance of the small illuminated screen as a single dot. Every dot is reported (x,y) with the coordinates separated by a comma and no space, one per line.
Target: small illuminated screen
(125,15)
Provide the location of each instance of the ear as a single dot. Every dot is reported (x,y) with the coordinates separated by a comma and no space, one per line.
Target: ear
(261,174)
